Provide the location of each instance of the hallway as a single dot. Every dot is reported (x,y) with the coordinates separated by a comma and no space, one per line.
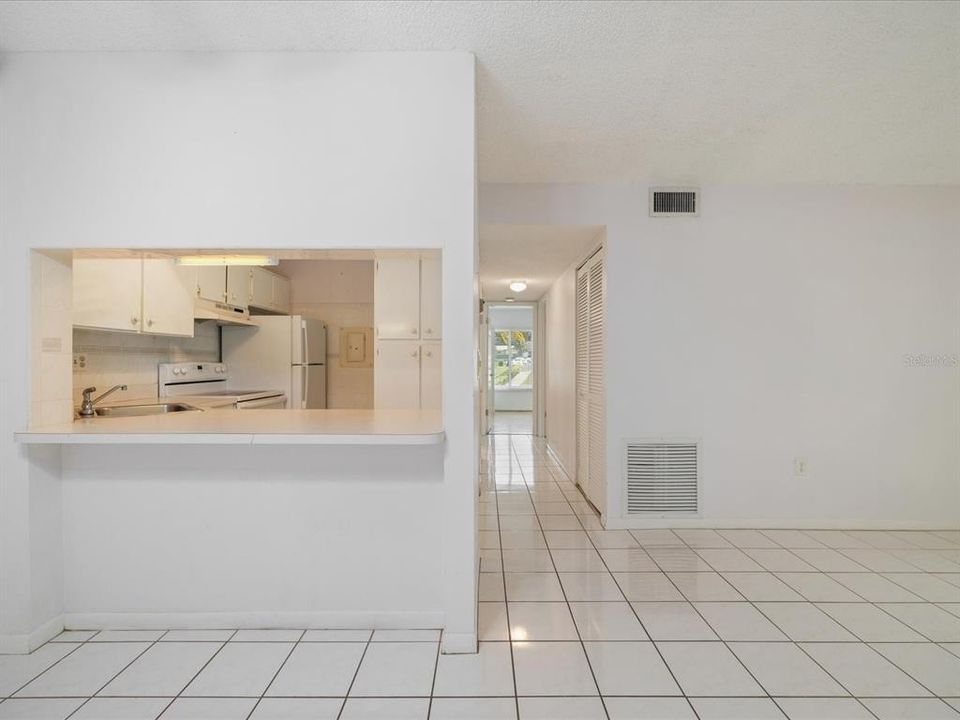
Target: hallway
(744,623)
(512,422)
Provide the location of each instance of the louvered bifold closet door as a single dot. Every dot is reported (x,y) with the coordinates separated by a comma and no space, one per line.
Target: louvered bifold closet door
(583,376)
(591,433)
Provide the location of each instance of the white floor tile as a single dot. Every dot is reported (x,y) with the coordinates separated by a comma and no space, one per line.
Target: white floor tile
(930,621)
(612,539)
(673,621)
(164,670)
(473,709)
(197,636)
(487,673)
(698,538)
(74,636)
(492,621)
(869,623)
(828,560)
(824,709)
(533,587)
(738,621)
(396,670)
(527,561)
(318,670)
(632,708)
(928,664)
(432,636)
(671,559)
(927,560)
(541,621)
(336,636)
(879,560)
(792,539)
(209,709)
(560,522)
(579,560)
(607,621)
(862,671)
(747,538)
(761,587)
(928,587)
(85,671)
(705,586)
(778,560)
(729,560)
(564,708)
(586,587)
(647,587)
(267,636)
(910,709)
(385,709)
(819,588)
(804,622)
(297,709)
(18,670)
(783,669)
(874,588)
(552,668)
(657,538)
(630,668)
(520,522)
(627,560)
(127,636)
(490,587)
(121,709)
(45,709)
(568,540)
(736,709)
(522,539)
(836,539)
(708,669)
(240,670)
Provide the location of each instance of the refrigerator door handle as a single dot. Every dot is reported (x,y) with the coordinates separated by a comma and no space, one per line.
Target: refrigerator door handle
(304,345)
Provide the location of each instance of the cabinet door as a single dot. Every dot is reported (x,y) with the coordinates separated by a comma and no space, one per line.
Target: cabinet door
(212,282)
(396,298)
(261,288)
(431,301)
(396,375)
(281,294)
(167,298)
(107,294)
(238,285)
(430,376)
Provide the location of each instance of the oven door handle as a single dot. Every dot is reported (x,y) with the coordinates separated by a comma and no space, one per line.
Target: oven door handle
(262,402)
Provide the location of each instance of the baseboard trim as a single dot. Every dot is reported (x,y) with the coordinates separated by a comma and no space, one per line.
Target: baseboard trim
(254,620)
(556,458)
(768,524)
(28,642)
(458,643)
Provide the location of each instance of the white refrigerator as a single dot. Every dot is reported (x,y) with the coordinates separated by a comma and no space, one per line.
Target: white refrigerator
(285,352)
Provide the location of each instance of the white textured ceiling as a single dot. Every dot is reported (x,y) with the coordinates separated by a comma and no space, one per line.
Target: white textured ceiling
(536,254)
(666,92)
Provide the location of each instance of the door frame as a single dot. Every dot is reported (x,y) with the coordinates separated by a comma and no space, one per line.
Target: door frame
(538,364)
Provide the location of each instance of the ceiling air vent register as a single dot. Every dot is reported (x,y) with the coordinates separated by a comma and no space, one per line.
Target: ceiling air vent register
(674,202)
(662,477)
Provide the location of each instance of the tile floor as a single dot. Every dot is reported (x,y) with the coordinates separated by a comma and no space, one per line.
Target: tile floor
(575,623)
(512,422)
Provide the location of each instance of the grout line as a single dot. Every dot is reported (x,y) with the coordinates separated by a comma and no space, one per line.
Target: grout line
(279,669)
(223,644)
(355,674)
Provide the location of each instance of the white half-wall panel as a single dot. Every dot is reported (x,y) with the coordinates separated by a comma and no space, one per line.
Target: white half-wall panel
(820,323)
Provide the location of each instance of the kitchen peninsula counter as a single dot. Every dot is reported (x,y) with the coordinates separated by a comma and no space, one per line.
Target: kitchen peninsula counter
(249,427)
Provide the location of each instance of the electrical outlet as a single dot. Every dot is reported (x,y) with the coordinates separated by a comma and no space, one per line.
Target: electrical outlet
(79,361)
(800,467)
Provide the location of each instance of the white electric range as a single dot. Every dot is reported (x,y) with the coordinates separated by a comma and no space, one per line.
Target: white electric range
(211,381)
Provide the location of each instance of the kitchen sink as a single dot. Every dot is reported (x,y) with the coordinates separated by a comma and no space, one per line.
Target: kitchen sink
(146,409)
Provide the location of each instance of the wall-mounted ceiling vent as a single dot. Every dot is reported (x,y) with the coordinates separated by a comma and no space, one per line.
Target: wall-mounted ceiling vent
(662,477)
(672,202)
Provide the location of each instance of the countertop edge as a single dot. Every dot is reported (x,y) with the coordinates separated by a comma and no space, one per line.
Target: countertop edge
(41,437)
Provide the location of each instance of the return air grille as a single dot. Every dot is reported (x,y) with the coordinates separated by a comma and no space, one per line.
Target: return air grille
(662,478)
(667,202)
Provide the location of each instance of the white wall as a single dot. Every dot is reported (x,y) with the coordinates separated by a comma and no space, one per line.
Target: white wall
(245,150)
(560,355)
(339,292)
(774,326)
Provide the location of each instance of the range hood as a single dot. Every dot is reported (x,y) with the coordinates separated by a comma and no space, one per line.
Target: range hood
(222,313)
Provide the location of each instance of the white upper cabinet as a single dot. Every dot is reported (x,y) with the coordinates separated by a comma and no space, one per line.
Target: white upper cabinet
(107,294)
(269,291)
(431,300)
(238,285)
(212,282)
(396,380)
(147,296)
(396,300)
(168,295)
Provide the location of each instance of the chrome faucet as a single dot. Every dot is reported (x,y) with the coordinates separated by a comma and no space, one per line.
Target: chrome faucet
(86,407)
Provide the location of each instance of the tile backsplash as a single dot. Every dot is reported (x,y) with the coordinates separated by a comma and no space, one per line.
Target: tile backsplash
(104,359)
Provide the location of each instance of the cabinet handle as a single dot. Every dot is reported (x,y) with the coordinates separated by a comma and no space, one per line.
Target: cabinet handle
(134,320)
(413,331)
(150,323)
(429,354)
(429,331)
(413,354)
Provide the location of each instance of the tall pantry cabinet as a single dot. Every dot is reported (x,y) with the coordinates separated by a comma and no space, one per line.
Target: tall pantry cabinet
(407,311)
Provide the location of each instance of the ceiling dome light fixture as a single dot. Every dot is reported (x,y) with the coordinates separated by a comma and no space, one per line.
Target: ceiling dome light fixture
(518,285)
(510,299)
